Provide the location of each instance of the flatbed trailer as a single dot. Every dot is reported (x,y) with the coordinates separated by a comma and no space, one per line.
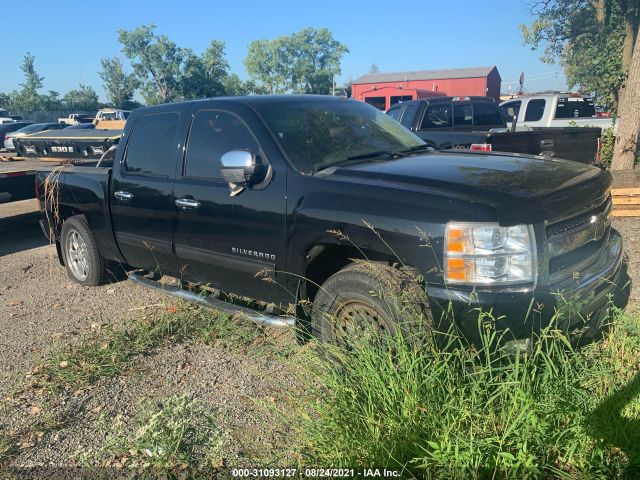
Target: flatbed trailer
(74,143)
(17,177)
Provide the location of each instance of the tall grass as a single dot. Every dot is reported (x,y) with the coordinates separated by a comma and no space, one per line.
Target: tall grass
(464,413)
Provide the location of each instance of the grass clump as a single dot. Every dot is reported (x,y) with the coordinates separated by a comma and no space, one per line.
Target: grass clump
(173,438)
(111,353)
(465,413)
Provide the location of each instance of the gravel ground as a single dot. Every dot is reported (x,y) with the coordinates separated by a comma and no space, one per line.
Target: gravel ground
(41,310)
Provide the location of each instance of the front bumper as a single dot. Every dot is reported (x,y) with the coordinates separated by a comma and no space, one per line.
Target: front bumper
(578,305)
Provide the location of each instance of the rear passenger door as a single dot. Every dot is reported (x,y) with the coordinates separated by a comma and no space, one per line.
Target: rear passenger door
(142,206)
(222,240)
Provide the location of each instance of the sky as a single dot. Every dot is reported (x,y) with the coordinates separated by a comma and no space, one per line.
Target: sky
(69,37)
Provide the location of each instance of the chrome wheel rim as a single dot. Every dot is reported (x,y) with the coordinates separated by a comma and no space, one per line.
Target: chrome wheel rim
(77,255)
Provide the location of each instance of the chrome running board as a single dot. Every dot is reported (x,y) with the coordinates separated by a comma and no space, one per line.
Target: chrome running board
(137,276)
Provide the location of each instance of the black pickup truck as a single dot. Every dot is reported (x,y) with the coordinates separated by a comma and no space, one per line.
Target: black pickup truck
(279,198)
(476,123)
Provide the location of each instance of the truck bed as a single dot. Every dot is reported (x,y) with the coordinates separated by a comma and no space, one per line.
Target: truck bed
(68,143)
(17,177)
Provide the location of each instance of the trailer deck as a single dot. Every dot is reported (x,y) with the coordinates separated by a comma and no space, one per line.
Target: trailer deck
(76,143)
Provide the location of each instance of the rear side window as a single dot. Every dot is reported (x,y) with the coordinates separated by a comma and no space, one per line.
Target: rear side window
(152,146)
(437,116)
(486,114)
(462,115)
(511,110)
(408,115)
(575,107)
(394,112)
(535,110)
(214,133)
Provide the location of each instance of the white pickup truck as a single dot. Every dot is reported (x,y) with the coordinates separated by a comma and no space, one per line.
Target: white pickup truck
(5,117)
(553,110)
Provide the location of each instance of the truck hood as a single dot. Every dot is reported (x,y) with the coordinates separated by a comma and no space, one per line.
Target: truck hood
(518,186)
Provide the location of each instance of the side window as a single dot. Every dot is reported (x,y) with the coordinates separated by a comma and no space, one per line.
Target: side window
(152,146)
(437,116)
(510,110)
(394,112)
(409,115)
(486,115)
(462,115)
(535,109)
(214,133)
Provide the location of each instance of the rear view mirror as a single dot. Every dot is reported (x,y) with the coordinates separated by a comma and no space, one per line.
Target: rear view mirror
(241,169)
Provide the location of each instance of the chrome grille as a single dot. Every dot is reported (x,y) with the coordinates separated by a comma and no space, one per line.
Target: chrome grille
(575,242)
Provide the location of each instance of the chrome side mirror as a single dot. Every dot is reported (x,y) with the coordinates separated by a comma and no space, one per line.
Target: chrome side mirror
(241,169)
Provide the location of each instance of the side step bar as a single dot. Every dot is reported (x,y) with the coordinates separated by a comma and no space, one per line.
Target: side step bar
(137,276)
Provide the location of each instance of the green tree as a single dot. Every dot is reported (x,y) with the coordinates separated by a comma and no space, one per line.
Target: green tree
(268,64)
(306,61)
(315,57)
(591,53)
(119,85)
(167,73)
(596,42)
(82,98)
(156,62)
(5,101)
(27,98)
(373,69)
(204,76)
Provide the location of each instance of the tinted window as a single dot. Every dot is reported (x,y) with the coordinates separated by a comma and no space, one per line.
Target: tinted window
(462,115)
(409,114)
(152,145)
(486,114)
(575,107)
(510,110)
(321,133)
(394,112)
(535,109)
(213,134)
(437,116)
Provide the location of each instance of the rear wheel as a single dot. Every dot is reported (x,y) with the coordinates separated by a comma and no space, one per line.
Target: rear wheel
(371,298)
(80,253)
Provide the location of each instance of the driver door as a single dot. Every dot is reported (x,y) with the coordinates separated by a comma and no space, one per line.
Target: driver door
(222,240)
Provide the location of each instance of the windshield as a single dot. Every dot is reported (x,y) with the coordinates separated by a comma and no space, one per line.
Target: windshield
(316,134)
(4,113)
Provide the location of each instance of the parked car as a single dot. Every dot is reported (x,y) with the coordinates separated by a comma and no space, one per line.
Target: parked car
(295,189)
(476,123)
(554,110)
(6,128)
(28,130)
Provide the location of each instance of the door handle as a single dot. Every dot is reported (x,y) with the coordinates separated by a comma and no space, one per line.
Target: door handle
(123,195)
(187,203)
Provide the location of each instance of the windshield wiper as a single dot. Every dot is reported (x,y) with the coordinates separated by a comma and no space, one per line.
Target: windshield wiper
(376,154)
(424,146)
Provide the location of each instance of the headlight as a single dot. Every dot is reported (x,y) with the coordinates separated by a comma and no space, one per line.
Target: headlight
(488,254)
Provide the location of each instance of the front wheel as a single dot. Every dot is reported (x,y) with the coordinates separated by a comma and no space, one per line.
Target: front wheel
(80,253)
(370,297)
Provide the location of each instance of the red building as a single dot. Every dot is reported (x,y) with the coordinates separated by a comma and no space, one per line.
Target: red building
(385,89)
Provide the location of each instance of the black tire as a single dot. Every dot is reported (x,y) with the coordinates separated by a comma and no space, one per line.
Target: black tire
(370,296)
(80,253)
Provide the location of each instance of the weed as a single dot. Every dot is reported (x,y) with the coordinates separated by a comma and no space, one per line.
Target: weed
(112,353)
(176,435)
(462,413)
(7,447)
